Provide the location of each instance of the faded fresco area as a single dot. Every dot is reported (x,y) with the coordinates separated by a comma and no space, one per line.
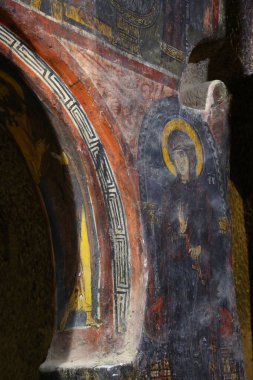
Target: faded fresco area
(191,318)
(160,32)
(122,127)
(49,169)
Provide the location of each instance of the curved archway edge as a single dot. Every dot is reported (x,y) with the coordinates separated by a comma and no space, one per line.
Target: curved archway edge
(107,180)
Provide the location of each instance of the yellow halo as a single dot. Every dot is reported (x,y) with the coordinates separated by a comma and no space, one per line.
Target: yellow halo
(183,126)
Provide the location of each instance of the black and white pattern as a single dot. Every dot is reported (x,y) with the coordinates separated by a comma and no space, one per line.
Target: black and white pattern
(113,202)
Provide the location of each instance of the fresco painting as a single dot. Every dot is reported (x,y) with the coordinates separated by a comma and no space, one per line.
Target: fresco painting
(173,27)
(81,299)
(191,311)
(108,303)
(19,128)
(133,182)
(118,96)
(39,151)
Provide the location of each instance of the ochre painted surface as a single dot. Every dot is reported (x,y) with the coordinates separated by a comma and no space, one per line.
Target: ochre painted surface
(21,131)
(81,298)
(241,275)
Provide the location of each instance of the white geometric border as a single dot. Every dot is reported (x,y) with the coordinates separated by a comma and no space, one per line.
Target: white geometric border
(113,202)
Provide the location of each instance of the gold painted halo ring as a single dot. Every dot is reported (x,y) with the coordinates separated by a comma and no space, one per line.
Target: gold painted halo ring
(183,126)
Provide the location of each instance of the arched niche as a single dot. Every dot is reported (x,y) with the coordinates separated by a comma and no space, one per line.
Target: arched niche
(26,266)
(104,220)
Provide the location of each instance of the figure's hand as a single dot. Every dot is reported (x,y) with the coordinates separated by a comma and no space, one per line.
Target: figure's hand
(183,220)
(195,252)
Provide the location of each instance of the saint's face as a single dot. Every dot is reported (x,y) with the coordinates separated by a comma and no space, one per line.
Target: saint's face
(181,163)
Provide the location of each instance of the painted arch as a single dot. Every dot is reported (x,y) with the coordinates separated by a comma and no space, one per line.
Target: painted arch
(53,87)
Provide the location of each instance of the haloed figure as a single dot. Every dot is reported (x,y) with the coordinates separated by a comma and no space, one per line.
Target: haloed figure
(184,263)
(190,307)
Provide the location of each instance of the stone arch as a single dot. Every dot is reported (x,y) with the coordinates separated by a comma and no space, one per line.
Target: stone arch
(119,198)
